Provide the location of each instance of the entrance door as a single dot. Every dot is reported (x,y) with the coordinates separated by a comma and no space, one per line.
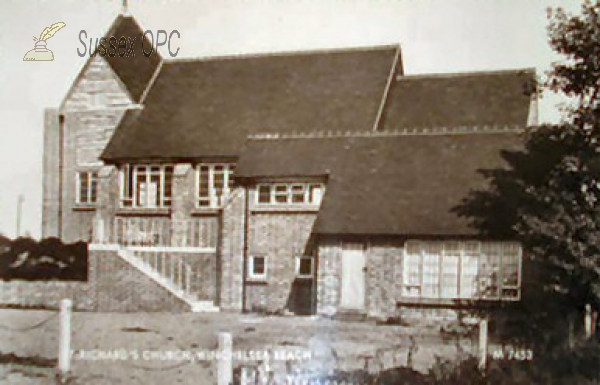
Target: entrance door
(353,278)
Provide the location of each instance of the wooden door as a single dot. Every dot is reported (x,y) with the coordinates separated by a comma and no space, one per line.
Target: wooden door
(353,278)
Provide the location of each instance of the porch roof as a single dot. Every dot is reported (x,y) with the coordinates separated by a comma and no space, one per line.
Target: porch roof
(395,184)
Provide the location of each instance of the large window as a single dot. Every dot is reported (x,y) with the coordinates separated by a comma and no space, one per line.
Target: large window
(86,187)
(146,186)
(214,182)
(289,193)
(462,270)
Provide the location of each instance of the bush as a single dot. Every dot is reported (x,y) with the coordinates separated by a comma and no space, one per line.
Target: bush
(27,259)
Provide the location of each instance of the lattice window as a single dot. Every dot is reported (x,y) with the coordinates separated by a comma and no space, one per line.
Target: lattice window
(468,270)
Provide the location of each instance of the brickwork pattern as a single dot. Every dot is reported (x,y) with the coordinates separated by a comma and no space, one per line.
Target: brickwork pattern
(256,298)
(281,237)
(120,287)
(329,278)
(46,294)
(204,273)
(93,108)
(231,252)
(382,284)
(50,184)
(384,273)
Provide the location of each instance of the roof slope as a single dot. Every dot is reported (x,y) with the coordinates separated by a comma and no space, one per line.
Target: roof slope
(208,107)
(135,71)
(386,184)
(454,100)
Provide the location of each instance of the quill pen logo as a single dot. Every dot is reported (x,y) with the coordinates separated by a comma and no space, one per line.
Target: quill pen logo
(40,52)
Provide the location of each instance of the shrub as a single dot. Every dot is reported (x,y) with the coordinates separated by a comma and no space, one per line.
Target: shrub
(27,259)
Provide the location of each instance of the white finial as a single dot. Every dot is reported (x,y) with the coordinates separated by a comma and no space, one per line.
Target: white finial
(125,10)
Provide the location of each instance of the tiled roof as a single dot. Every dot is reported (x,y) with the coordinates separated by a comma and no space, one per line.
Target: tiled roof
(402,184)
(454,100)
(207,107)
(135,71)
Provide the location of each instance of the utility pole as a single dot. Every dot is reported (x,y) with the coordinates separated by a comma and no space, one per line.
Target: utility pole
(20,201)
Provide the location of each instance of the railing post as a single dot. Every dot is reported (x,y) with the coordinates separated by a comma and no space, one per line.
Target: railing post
(172,268)
(180,273)
(188,277)
(64,344)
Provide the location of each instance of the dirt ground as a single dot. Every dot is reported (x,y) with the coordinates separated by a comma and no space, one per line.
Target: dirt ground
(160,348)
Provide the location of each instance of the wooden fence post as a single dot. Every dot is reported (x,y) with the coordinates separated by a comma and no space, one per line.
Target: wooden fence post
(64,344)
(225,365)
(587,321)
(483,343)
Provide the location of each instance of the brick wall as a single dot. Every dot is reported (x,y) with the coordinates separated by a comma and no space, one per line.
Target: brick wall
(92,109)
(281,237)
(204,268)
(329,277)
(113,286)
(231,252)
(120,287)
(50,182)
(383,262)
(46,294)
(384,278)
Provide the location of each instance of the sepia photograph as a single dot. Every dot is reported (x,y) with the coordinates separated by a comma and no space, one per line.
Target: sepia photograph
(300,192)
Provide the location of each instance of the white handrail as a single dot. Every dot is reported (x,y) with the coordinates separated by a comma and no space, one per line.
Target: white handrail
(169,267)
(156,232)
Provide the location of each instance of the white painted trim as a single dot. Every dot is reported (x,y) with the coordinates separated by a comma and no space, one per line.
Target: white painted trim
(257,277)
(151,82)
(103,247)
(166,283)
(215,202)
(462,254)
(173,249)
(312,266)
(135,168)
(153,249)
(92,175)
(386,91)
(289,202)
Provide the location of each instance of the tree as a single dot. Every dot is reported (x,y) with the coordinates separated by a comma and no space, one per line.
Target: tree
(549,198)
(562,228)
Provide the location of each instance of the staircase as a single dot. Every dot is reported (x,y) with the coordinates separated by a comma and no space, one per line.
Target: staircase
(170,272)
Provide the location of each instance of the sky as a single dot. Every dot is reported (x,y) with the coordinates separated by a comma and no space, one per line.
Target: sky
(436,36)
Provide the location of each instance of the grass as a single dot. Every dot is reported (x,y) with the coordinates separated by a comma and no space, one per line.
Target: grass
(332,345)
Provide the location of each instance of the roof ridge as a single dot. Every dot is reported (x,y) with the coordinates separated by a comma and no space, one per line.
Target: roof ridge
(415,131)
(466,73)
(331,50)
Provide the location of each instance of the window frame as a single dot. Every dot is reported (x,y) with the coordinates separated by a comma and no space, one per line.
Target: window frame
(92,186)
(128,174)
(251,276)
(416,290)
(307,188)
(299,259)
(214,200)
